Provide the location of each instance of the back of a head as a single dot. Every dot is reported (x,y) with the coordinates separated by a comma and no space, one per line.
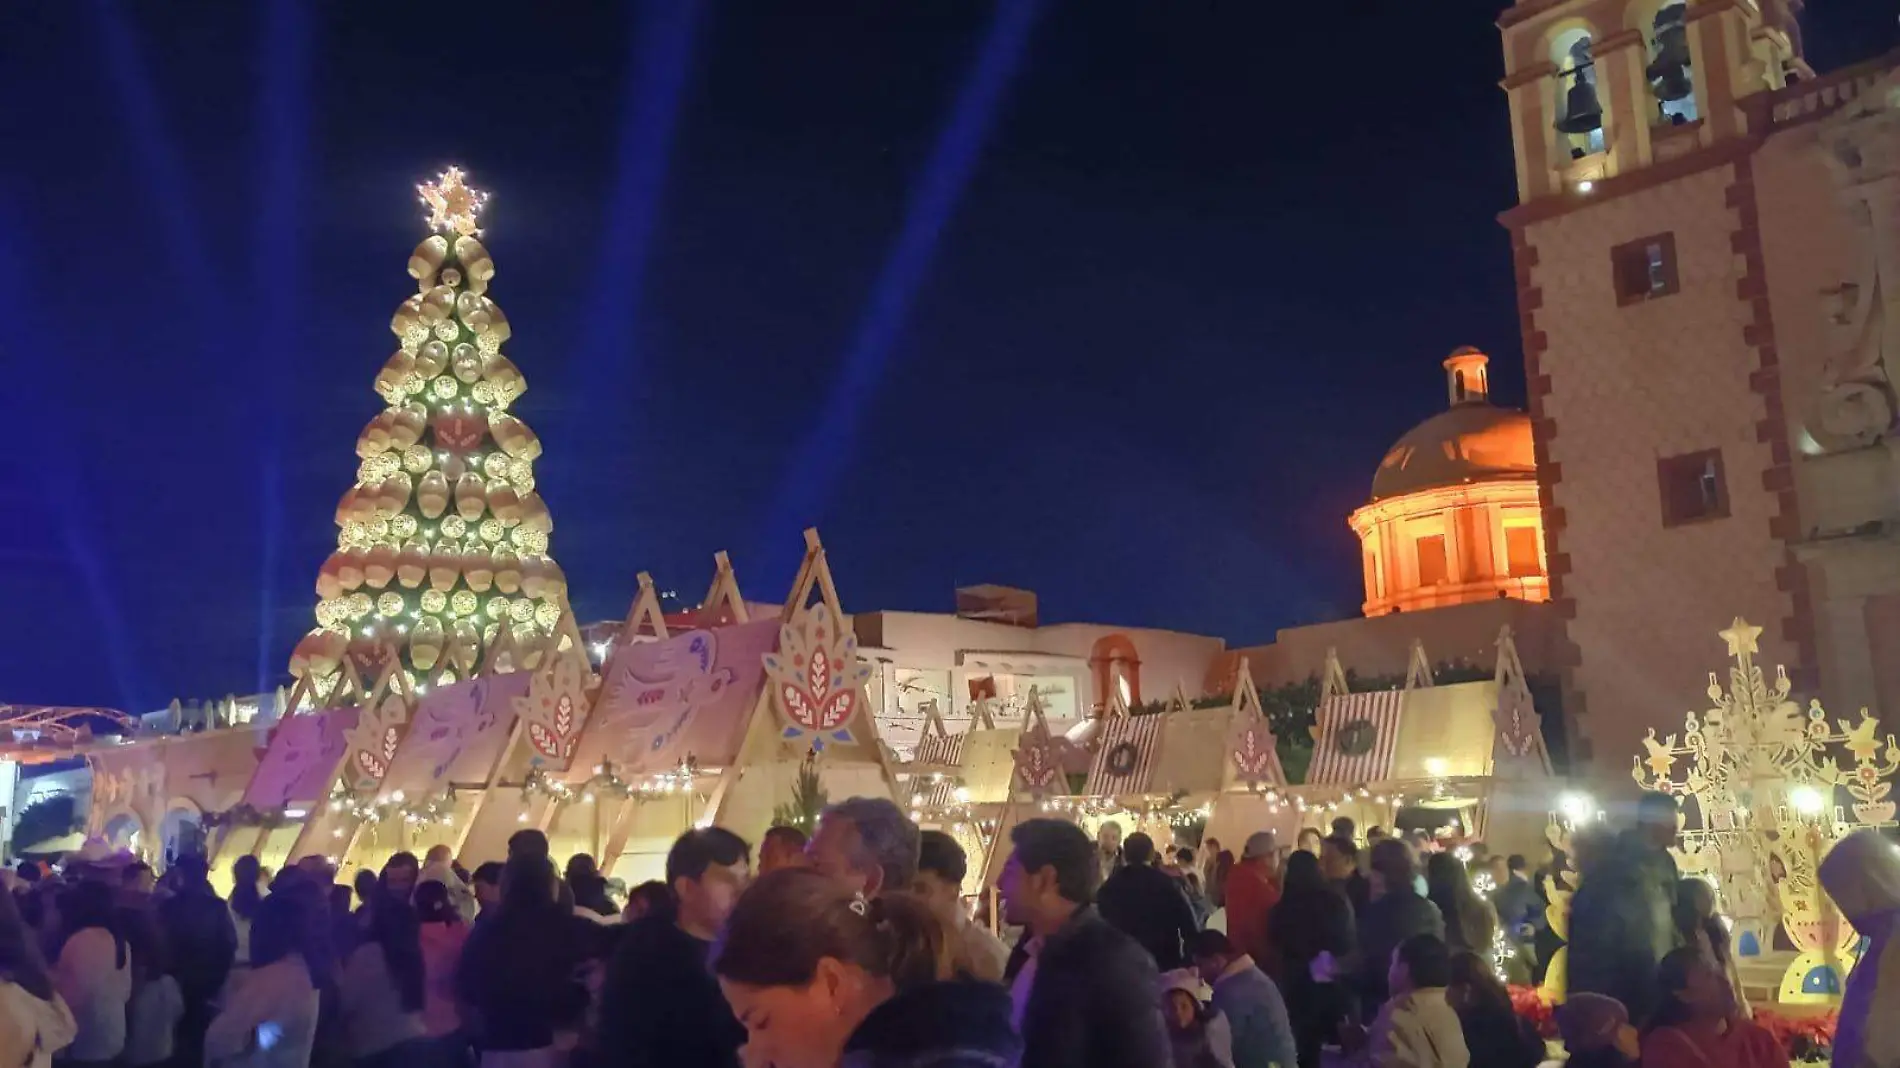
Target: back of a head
(393,926)
(1344,827)
(87,904)
(785,836)
(940,855)
(1138,849)
(1049,843)
(1395,863)
(437,854)
(277,930)
(433,904)
(1302,873)
(1446,874)
(1862,874)
(365,884)
(489,873)
(886,838)
(1427,959)
(1480,984)
(191,870)
(701,848)
(527,886)
(1184,857)
(401,861)
(528,842)
(581,866)
(1656,812)
(1517,863)
(790,920)
(1342,846)
(1211,943)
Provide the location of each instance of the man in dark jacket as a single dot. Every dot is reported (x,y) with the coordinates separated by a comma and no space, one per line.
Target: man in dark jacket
(1084,995)
(1621,924)
(203,943)
(1396,912)
(1147,906)
(660,1005)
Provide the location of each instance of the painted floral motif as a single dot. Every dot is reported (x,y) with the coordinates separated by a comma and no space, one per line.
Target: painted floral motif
(1038,762)
(816,678)
(372,742)
(1254,756)
(552,710)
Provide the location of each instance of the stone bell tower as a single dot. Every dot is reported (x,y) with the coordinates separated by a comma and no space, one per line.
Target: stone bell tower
(1657,300)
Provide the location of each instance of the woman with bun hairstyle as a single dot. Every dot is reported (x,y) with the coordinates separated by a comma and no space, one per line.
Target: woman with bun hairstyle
(823,978)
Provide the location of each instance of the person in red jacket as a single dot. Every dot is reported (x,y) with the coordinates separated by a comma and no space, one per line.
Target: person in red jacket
(1253,888)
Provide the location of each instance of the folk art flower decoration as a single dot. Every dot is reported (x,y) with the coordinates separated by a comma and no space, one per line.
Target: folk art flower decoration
(816,678)
(1254,752)
(1038,760)
(552,710)
(371,744)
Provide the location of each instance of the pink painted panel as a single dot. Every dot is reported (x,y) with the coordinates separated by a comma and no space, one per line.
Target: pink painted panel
(690,694)
(300,759)
(457,734)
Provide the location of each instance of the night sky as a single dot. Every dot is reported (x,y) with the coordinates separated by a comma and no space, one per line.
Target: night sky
(1120,302)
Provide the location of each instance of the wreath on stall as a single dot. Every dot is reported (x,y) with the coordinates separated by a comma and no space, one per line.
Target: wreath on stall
(1122,758)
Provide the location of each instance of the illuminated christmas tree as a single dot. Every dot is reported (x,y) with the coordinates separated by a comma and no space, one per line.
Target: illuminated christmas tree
(443,540)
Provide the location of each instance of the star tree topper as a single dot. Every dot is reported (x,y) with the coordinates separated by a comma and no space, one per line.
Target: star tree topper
(453,203)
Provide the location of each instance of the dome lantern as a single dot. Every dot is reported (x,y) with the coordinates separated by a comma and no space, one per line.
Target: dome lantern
(1468,376)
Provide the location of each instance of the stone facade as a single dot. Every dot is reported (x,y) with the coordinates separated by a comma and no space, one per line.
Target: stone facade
(1704,321)
(1617,388)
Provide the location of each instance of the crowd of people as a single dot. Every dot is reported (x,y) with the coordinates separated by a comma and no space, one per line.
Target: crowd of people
(855,949)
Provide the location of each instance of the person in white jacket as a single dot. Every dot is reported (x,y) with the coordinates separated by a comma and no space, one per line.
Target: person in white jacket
(93,973)
(269,1019)
(34,1020)
(1862,875)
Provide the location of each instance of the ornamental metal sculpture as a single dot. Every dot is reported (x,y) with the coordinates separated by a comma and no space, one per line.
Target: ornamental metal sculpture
(1768,785)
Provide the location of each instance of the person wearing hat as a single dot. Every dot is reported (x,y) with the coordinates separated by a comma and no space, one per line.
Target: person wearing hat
(1596,1031)
(1253,888)
(1199,1033)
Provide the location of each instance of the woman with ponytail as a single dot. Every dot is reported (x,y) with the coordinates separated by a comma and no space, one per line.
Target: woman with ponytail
(822,978)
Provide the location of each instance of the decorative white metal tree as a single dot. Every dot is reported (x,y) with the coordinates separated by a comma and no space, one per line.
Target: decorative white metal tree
(1767,782)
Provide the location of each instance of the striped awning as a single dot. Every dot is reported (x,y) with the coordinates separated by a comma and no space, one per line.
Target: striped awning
(1125,758)
(935,749)
(1358,737)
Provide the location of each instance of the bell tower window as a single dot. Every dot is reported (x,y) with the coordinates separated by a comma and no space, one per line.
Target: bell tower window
(1578,108)
(1671,79)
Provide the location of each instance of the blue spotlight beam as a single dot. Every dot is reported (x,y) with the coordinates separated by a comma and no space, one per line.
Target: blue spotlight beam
(283,123)
(164,175)
(807,484)
(59,476)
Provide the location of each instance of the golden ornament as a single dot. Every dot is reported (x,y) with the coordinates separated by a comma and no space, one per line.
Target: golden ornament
(360,605)
(454,526)
(463,603)
(434,600)
(482,392)
(389,604)
(522,610)
(447,330)
(498,465)
(403,526)
(498,607)
(445,387)
(491,529)
(546,615)
(417,458)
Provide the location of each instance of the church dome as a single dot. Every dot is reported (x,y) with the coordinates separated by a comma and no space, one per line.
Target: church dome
(1473,441)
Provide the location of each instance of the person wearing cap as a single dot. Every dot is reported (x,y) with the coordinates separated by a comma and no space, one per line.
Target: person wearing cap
(1199,1033)
(1253,888)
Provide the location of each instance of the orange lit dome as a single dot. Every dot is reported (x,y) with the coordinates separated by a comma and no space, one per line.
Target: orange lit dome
(1472,441)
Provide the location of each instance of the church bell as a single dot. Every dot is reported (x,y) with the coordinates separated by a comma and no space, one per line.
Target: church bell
(1582,111)
(1669,71)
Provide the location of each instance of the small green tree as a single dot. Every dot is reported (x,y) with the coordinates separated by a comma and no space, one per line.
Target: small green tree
(808,799)
(49,817)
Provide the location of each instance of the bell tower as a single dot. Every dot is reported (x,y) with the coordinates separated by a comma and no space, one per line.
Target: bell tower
(1663,462)
(1601,88)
